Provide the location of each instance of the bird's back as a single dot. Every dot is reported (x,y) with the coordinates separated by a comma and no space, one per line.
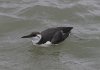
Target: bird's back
(48,34)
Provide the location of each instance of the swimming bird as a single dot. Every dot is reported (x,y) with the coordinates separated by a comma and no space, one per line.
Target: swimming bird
(54,35)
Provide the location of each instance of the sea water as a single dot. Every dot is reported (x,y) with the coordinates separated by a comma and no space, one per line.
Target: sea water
(80,51)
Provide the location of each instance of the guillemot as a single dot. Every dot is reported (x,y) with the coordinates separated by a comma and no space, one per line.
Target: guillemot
(49,36)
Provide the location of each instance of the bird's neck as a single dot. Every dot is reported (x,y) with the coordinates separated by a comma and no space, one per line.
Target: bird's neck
(36,39)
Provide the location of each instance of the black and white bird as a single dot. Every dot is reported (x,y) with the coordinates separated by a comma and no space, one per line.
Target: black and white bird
(49,36)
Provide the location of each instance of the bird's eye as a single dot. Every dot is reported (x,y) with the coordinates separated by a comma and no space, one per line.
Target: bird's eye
(34,34)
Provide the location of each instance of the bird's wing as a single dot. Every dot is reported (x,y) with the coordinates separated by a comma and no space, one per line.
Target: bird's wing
(57,38)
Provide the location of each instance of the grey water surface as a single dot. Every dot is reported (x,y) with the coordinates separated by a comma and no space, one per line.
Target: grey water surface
(80,51)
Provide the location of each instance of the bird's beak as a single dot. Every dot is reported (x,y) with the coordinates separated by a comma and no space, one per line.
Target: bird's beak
(27,36)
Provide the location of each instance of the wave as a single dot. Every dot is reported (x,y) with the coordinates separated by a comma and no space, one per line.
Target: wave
(51,3)
(92,7)
(53,13)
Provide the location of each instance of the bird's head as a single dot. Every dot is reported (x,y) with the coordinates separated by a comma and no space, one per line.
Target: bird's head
(68,29)
(33,34)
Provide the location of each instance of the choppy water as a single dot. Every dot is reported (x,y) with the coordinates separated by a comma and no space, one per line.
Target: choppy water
(81,51)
